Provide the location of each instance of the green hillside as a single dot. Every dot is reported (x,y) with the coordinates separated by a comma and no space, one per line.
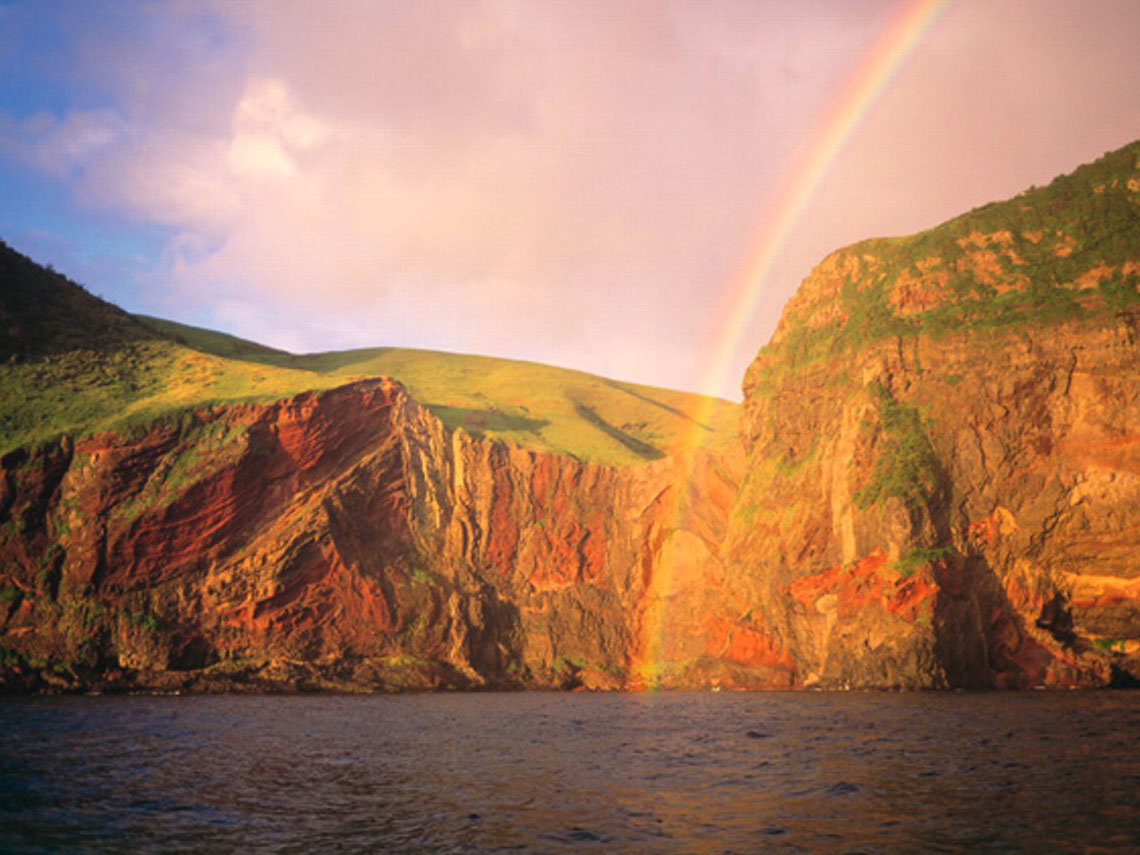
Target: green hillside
(523,403)
(43,313)
(1067,251)
(73,363)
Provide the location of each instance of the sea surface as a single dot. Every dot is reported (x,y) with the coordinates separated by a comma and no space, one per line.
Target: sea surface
(548,772)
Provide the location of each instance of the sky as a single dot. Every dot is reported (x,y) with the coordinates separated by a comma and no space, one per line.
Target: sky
(628,187)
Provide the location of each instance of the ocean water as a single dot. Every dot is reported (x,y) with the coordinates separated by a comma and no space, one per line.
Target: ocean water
(547,772)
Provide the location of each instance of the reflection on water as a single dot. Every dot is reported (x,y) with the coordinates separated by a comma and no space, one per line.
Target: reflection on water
(871,772)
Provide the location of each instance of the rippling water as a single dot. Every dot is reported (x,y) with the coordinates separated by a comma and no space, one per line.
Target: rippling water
(859,772)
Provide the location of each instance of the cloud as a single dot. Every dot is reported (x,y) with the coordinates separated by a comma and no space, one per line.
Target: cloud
(500,177)
(61,147)
(269,132)
(572,182)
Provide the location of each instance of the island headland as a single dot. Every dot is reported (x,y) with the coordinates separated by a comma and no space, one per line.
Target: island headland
(933,482)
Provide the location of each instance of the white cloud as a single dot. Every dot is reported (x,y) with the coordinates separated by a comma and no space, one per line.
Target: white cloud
(268,130)
(60,146)
(574,182)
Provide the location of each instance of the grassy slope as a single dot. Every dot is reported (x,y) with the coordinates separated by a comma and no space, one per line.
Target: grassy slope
(523,403)
(1026,260)
(73,363)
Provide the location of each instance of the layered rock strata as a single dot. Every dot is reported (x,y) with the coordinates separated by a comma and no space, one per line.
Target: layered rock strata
(953,512)
(938,486)
(347,540)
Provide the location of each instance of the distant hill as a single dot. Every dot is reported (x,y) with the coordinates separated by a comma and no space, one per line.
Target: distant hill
(74,363)
(44,313)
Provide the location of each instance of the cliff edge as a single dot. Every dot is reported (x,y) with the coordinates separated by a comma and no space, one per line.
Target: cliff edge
(943,464)
(936,483)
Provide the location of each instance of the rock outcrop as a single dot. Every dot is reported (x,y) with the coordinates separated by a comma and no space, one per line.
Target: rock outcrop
(943,485)
(347,540)
(938,485)
(953,512)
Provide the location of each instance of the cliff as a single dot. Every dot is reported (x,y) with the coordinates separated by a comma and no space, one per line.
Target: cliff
(935,484)
(943,459)
(347,539)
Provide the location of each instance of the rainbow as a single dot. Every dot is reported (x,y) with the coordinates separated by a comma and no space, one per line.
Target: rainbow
(852,104)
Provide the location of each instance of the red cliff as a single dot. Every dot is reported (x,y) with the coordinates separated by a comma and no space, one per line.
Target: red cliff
(938,485)
(347,539)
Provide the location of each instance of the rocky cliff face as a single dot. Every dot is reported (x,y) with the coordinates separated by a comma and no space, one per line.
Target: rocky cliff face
(942,484)
(953,512)
(938,485)
(347,540)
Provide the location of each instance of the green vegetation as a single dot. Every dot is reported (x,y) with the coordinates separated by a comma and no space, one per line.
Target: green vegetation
(920,556)
(542,407)
(144,619)
(407,660)
(907,467)
(743,513)
(572,665)
(219,344)
(419,575)
(211,445)
(840,380)
(641,449)
(89,391)
(789,466)
(78,365)
(658,673)
(1112,645)
(44,313)
(1066,252)
(84,616)
(47,580)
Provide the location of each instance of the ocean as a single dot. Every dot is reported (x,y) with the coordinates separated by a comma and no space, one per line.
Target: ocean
(855,772)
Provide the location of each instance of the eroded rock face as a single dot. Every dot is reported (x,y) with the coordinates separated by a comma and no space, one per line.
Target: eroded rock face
(953,511)
(347,540)
(942,486)
(938,486)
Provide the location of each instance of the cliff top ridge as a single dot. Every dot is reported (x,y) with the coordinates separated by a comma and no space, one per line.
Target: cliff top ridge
(1064,252)
(72,363)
